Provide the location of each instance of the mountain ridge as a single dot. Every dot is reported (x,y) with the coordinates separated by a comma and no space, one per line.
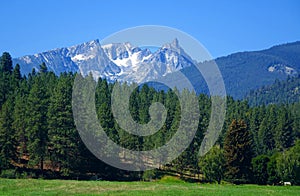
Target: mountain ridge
(116,61)
(280,92)
(242,71)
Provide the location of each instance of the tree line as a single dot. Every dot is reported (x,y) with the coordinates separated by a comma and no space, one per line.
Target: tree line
(38,137)
(286,91)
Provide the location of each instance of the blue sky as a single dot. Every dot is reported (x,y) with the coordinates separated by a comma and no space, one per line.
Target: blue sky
(223,27)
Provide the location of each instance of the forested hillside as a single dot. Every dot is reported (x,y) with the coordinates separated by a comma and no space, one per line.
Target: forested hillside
(38,137)
(286,91)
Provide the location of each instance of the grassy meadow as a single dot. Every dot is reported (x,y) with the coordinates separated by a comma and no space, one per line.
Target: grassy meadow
(167,186)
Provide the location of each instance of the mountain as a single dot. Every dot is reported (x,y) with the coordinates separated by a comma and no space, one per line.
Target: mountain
(242,72)
(116,61)
(246,71)
(286,91)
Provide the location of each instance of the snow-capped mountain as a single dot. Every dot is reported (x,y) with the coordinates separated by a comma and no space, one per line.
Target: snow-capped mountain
(242,71)
(116,61)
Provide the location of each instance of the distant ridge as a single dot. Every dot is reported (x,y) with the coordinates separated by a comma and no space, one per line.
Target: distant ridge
(242,71)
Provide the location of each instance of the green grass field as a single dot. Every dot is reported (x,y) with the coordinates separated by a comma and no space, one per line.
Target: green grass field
(168,187)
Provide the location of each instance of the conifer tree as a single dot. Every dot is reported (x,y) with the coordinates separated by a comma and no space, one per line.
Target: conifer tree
(266,133)
(43,68)
(16,77)
(5,77)
(238,152)
(36,130)
(19,123)
(6,65)
(7,136)
(283,131)
(103,106)
(61,129)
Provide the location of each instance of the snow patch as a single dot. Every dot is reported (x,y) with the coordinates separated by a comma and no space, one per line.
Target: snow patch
(81,57)
(271,69)
(27,59)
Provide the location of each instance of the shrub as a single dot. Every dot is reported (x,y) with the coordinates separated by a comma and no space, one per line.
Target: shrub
(9,173)
(259,166)
(150,175)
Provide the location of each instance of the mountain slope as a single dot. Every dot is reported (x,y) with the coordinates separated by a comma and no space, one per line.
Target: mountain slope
(242,72)
(85,57)
(286,91)
(245,71)
(116,61)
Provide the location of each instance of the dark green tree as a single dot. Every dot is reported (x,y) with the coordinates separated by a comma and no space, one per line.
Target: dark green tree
(103,106)
(5,77)
(19,123)
(255,119)
(295,115)
(36,121)
(144,104)
(260,169)
(273,177)
(6,65)
(186,119)
(16,77)
(62,134)
(266,133)
(238,152)
(43,68)
(7,136)
(213,164)
(134,105)
(284,137)
(288,164)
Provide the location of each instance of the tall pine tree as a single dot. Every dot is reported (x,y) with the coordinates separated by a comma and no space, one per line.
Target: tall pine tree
(7,136)
(6,69)
(238,152)
(36,130)
(61,129)
(266,132)
(283,131)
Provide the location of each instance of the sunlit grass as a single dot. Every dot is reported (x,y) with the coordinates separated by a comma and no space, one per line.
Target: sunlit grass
(166,186)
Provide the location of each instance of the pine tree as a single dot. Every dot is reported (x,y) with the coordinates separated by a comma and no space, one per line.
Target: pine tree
(36,121)
(43,68)
(283,131)
(5,77)
(295,115)
(16,77)
(144,104)
(7,136)
(134,105)
(186,120)
(103,106)
(180,162)
(19,123)
(19,116)
(238,152)
(61,129)
(254,123)
(6,65)
(266,132)
(155,140)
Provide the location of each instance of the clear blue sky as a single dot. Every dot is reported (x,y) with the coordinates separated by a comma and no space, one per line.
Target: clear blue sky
(223,27)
